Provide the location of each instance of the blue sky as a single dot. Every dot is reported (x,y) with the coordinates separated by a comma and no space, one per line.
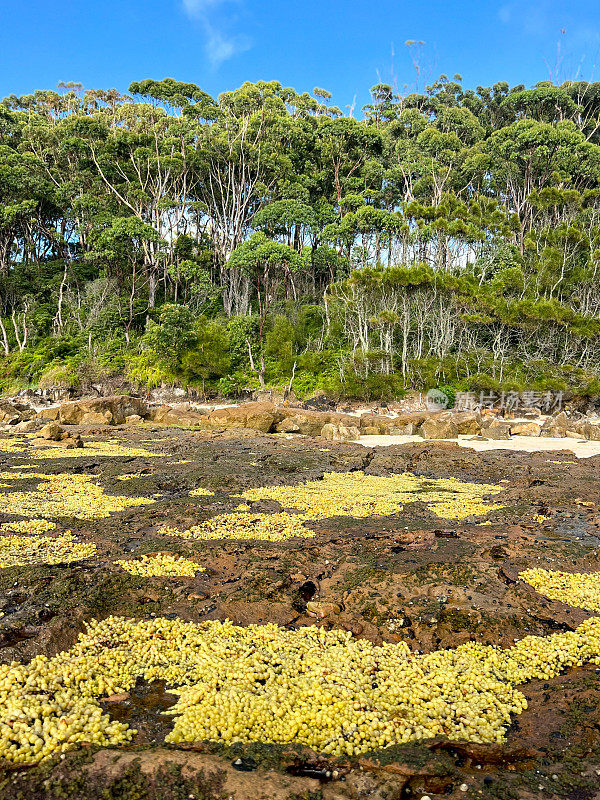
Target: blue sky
(344,46)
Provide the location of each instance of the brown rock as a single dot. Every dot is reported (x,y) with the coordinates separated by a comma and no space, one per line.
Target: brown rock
(498,429)
(26,426)
(120,407)
(348,432)
(320,609)
(97,418)
(574,435)
(288,425)
(53,432)
(339,433)
(9,414)
(328,431)
(158,413)
(555,427)
(49,413)
(370,431)
(69,442)
(257,416)
(439,429)
(416,417)
(553,432)
(468,423)
(379,423)
(133,419)
(589,430)
(410,429)
(525,429)
(309,423)
(561,420)
(167,415)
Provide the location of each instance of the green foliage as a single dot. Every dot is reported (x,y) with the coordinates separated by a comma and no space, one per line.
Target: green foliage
(449,393)
(279,347)
(235,384)
(450,237)
(374,387)
(241,331)
(176,333)
(209,358)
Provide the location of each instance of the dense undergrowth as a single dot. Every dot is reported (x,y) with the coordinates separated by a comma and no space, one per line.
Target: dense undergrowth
(218,368)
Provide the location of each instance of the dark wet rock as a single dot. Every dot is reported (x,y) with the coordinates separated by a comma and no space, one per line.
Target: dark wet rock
(412,577)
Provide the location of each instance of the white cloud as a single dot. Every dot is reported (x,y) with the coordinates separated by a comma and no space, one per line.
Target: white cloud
(196,8)
(219,45)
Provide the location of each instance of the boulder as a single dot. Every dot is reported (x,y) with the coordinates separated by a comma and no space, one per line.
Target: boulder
(183,417)
(574,435)
(348,433)
(70,413)
(369,431)
(555,427)
(468,423)
(158,413)
(410,429)
(435,428)
(133,419)
(257,416)
(553,431)
(119,406)
(328,431)
(97,418)
(339,433)
(380,423)
(525,429)
(49,413)
(9,415)
(589,430)
(561,420)
(26,426)
(53,432)
(287,425)
(498,429)
(310,423)
(69,442)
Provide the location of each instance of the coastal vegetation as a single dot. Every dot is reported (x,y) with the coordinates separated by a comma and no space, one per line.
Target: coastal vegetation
(264,238)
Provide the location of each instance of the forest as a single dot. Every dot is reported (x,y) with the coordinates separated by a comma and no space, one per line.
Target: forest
(266,238)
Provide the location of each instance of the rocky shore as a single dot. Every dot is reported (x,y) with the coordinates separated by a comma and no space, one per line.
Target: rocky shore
(271,417)
(424,546)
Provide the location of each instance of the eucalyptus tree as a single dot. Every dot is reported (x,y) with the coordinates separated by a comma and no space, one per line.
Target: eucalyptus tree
(528,156)
(446,228)
(126,242)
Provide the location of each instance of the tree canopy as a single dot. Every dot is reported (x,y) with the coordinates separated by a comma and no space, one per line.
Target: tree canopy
(445,236)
